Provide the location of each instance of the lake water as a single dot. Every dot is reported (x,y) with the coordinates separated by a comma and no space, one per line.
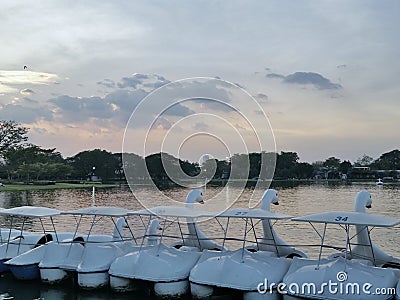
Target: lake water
(296,201)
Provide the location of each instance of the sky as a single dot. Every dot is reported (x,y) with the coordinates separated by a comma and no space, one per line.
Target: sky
(320,78)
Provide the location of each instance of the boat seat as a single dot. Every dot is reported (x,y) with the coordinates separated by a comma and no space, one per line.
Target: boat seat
(393,265)
(44,239)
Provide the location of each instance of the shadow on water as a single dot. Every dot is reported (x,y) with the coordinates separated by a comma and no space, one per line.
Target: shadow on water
(35,289)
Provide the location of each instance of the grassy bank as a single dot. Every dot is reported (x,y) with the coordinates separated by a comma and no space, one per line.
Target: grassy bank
(32,187)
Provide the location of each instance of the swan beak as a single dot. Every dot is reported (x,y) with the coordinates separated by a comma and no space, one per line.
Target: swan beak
(276,203)
(368,206)
(201,201)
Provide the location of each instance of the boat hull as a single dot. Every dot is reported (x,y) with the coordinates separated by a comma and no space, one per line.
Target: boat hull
(25,272)
(238,270)
(3,267)
(52,275)
(94,280)
(338,279)
(174,289)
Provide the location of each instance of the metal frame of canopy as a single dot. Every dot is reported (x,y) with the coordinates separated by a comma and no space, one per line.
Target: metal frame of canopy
(345,220)
(251,213)
(98,213)
(174,212)
(27,212)
(177,212)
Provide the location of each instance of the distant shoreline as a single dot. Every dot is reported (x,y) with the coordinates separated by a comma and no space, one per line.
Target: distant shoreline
(214,182)
(56,186)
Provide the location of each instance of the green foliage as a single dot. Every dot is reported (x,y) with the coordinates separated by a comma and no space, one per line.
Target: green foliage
(388,161)
(332,163)
(345,166)
(96,162)
(364,161)
(286,163)
(11,135)
(29,162)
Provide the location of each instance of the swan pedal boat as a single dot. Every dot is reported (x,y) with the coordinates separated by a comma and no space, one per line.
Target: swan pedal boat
(90,257)
(165,266)
(349,271)
(19,244)
(242,269)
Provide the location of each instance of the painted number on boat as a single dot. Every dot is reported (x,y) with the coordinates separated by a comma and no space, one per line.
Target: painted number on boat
(241,213)
(340,218)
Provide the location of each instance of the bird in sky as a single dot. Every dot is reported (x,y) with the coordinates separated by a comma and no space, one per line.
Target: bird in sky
(25,67)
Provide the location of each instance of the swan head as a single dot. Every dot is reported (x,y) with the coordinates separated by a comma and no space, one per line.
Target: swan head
(119,227)
(154,226)
(269,196)
(363,200)
(194,196)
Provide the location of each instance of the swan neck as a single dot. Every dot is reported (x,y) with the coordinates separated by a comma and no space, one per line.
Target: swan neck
(360,207)
(269,232)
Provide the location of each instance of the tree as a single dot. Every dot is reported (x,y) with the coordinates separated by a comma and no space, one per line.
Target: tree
(388,161)
(364,161)
(20,160)
(11,135)
(286,163)
(345,167)
(332,163)
(303,170)
(106,165)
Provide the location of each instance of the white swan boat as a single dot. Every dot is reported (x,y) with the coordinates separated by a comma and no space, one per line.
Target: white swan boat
(26,241)
(354,274)
(245,268)
(91,256)
(167,266)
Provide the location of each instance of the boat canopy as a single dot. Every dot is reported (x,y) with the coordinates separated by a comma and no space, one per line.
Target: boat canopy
(349,218)
(254,213)
(173,211)
(30,211)
(108,211)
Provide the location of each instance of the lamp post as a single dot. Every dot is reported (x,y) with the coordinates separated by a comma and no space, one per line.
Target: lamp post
(93,189)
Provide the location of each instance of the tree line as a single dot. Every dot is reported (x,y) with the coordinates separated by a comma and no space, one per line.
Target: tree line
(26,162)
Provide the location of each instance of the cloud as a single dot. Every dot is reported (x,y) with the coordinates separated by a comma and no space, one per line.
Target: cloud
(108,83)
(201,126)
(27,92)
(261,97)
(26,115)
(116,107)
(144,81)
(162,123)
(315,79)
(307,78)
(275,75)
(8,79)
(74,109)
